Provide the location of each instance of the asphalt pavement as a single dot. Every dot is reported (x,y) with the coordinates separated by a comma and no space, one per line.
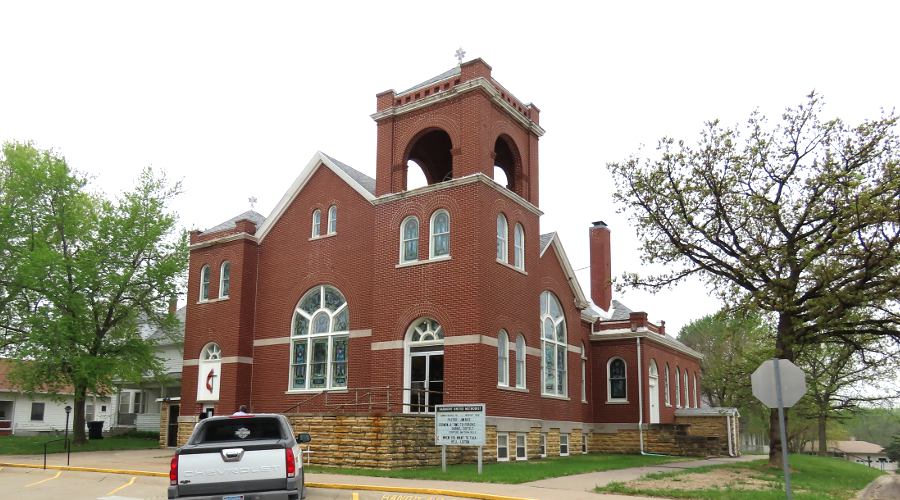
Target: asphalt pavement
(132,463)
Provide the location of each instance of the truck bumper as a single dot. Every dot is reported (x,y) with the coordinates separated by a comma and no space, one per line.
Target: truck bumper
(295,485)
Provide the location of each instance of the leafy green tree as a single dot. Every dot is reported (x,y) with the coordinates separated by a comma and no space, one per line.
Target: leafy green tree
(875,425)
(841,377)
(90,270)
(800,220)
(893,449)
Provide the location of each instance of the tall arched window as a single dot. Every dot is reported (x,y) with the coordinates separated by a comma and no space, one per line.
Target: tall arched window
(332,219)
(668,396)
(616,387)
(502,358)
(204,283)
(677,387)
(502,249)
(409,239)
(224,279)
(687,395)
(520,361)
(553,346)
(696,403)
(519,247)
(209,372)
(320,332)
(316,223)
(440,234)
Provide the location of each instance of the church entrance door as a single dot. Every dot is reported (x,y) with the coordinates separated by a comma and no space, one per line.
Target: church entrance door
(426,381)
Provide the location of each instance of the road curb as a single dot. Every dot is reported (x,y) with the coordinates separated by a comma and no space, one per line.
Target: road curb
(309,484)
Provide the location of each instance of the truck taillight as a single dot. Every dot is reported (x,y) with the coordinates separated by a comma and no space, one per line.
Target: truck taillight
(173,471)
(289,463)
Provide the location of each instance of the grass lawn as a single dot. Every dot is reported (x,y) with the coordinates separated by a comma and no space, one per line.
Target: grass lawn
(811,477)
(34,445)
(510,472)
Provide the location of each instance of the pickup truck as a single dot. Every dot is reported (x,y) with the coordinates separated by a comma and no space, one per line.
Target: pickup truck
(240,457)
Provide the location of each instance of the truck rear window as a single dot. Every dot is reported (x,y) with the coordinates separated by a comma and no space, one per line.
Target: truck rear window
(240,429)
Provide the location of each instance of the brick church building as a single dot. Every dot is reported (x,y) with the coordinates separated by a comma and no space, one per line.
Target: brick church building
(358,304)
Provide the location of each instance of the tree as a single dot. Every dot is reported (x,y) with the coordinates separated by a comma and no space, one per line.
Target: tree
(893,449)
(90,271)
(875,425)
(800,220)
(840,377)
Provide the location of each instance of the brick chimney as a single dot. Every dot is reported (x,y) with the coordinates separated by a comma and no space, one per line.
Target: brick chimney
(601,270)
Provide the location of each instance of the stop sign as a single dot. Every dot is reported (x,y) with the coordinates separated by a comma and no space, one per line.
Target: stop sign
(793,383)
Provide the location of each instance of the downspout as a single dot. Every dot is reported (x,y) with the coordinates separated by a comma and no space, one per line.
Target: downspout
(640,370)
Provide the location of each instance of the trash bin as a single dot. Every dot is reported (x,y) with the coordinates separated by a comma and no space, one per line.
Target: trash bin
(95,429)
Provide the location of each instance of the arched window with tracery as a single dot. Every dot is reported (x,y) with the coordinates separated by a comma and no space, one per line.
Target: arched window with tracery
(409,239)
(553,346)
(319,336)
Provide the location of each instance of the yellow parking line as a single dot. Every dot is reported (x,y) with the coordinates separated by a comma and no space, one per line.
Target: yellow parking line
(355,496)
(44,480)
(120,488)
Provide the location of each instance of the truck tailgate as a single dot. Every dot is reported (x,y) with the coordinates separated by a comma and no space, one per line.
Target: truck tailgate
(232,469)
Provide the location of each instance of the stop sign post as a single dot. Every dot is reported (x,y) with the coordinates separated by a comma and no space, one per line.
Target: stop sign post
(778,383)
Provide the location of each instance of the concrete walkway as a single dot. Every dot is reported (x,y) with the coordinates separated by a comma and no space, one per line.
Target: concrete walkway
(577,487)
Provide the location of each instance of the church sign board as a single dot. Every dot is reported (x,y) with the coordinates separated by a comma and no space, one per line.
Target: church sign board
(459,425)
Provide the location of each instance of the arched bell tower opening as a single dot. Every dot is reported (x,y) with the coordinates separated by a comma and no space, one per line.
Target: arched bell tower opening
(430,152)
(507,164)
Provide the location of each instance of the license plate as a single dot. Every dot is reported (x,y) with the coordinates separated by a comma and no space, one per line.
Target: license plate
(233,497)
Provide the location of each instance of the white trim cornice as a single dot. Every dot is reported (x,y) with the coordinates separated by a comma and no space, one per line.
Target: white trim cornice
(479,83)
(646,334)
(224,239)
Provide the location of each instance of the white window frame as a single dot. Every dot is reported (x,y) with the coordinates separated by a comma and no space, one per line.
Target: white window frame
(504,438)
(677,387)
(687,390)
(668,395)
(316,223)
(332,337)
(502,239)
(609,396)
(523,437)
(211,352)
(585,438)
(332,219)
(502,359)
(521,357)
(519,247)
(583,374)
(543,449)
(204,283)
(563,442)
(43,407)
(433,236)
(556,345)
(404,240)
(696,403)
(224,280)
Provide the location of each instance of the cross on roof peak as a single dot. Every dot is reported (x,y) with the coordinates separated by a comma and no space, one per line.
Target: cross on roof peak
(460,54)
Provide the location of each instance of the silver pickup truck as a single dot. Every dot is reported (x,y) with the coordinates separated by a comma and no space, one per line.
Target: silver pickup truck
(241,457)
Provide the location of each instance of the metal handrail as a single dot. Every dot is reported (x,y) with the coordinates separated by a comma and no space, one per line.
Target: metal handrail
(362,397)
(68,450)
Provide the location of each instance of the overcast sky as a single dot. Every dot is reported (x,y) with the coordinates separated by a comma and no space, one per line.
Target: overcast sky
(233,99)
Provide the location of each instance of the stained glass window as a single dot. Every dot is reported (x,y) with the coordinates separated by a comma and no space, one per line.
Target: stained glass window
(553,340)
(617,386)
(321,335)
(409,244)
(440,233)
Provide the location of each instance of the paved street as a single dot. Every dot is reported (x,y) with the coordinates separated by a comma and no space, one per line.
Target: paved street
(39,484)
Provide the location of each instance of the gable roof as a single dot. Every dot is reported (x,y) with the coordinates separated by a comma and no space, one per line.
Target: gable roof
(443,76)
(581,302)
(251,215)
(619,312)
(360,182)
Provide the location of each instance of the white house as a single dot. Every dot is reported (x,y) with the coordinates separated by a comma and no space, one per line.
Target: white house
(21,413)
(137,405)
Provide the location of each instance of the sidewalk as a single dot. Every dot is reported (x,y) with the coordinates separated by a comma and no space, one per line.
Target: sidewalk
(576,487)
